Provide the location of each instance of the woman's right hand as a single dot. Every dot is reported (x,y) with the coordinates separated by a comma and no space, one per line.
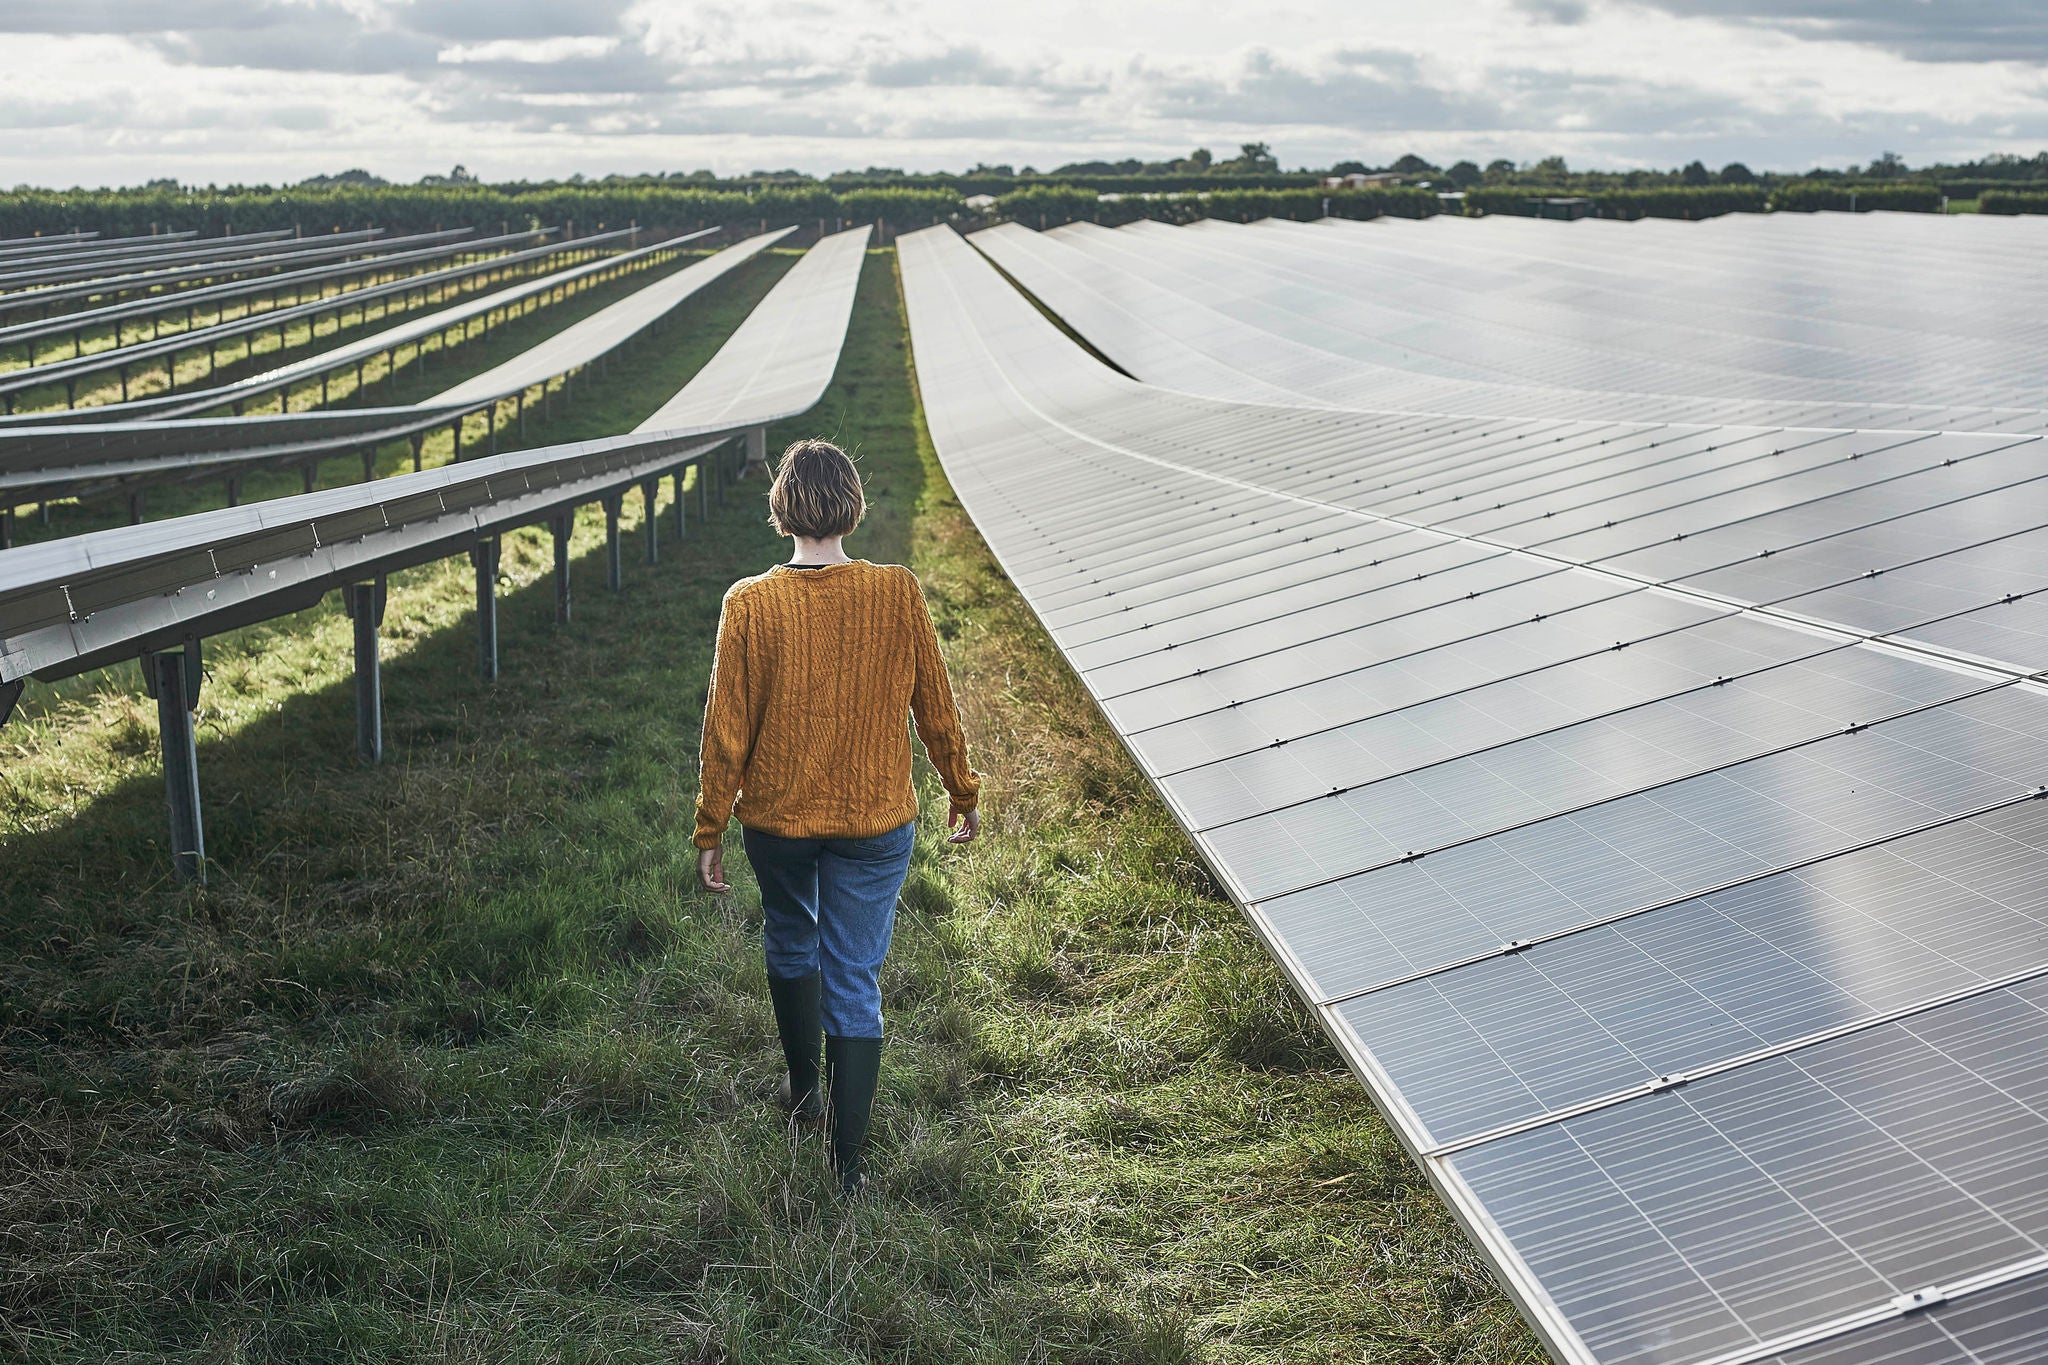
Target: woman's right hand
(964,824)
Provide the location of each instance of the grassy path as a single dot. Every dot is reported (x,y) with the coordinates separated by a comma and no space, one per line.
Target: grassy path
(450,1063)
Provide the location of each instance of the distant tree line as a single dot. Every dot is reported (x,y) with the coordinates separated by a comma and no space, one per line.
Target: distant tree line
(1250,184)
(486,208)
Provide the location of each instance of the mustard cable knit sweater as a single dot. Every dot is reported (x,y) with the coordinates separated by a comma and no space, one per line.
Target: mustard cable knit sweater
(815,671)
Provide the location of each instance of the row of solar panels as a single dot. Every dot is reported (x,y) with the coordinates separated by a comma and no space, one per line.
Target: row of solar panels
(159,442)
(146,284)
(165,349)
(159,569)
(95,260)
(311,266)
(1482,317)
(53,241)
(1651,812)
(156,590)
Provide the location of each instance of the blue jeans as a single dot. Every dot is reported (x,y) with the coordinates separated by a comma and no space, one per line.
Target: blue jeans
(830,907)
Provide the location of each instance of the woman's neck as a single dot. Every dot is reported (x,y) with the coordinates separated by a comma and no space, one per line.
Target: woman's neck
(826,551)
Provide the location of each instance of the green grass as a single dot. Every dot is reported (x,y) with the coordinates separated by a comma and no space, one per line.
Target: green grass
(451,1062)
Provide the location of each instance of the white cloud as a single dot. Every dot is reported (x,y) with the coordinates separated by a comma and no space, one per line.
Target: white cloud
(528,50)
(116,91)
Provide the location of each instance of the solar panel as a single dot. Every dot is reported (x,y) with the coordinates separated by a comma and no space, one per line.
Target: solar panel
(147,586)
(168,346)
(360,254)
(1650,804)
(42,461)
(1572,324)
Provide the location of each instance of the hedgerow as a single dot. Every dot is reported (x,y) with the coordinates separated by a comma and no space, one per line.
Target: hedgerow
(485,208)
(1706,201)
(1051,205)
(1808,196)
(2012,201)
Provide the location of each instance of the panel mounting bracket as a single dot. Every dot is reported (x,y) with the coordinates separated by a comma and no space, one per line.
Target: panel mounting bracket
(1933,1296)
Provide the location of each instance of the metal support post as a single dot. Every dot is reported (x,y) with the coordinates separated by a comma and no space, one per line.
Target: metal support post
(757,452)
(369,464)
(649,491)
(135,508)
(234,482)
(519,408)
(172,677)
(419,440)
(484,554)
(6,528)
(10,693)
(563,524)
(614,571)
(703,490)
(491,421)
(681,527)
(307,473)
(364,603)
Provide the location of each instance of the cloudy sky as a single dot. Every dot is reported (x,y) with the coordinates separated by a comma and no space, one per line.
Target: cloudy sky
(99,92)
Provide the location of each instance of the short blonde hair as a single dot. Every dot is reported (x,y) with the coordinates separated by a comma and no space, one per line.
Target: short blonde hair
(816,493)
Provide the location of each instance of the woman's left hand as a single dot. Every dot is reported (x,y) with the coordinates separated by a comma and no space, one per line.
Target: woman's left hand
(711,870)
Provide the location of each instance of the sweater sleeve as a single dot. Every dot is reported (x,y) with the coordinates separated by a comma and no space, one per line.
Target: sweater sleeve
(931,705)
(731,723)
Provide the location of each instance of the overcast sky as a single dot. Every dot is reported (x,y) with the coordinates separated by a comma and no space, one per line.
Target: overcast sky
(99,92)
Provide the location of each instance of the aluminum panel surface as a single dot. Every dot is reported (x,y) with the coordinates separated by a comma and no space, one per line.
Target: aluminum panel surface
(2005,1324)
(1762,964)
(1298,835)
(1744,1206)
(1355,932)
(1780,849)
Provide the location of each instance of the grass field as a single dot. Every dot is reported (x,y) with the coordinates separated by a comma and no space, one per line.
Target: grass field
(452,1063)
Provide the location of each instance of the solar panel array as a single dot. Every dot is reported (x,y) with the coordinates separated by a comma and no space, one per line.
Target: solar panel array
(166,347)
(38,461)
(1651,811)
(84,601)
(1932,324)
(361,254)
(153,592)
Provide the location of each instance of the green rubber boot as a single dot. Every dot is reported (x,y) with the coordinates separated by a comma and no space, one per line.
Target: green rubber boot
(799,1021)
(852,1067)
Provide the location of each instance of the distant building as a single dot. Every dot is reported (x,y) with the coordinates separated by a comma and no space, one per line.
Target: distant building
(1361,180)
(980,203)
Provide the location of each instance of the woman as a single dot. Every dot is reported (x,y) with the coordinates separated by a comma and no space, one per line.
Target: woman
(818,662)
